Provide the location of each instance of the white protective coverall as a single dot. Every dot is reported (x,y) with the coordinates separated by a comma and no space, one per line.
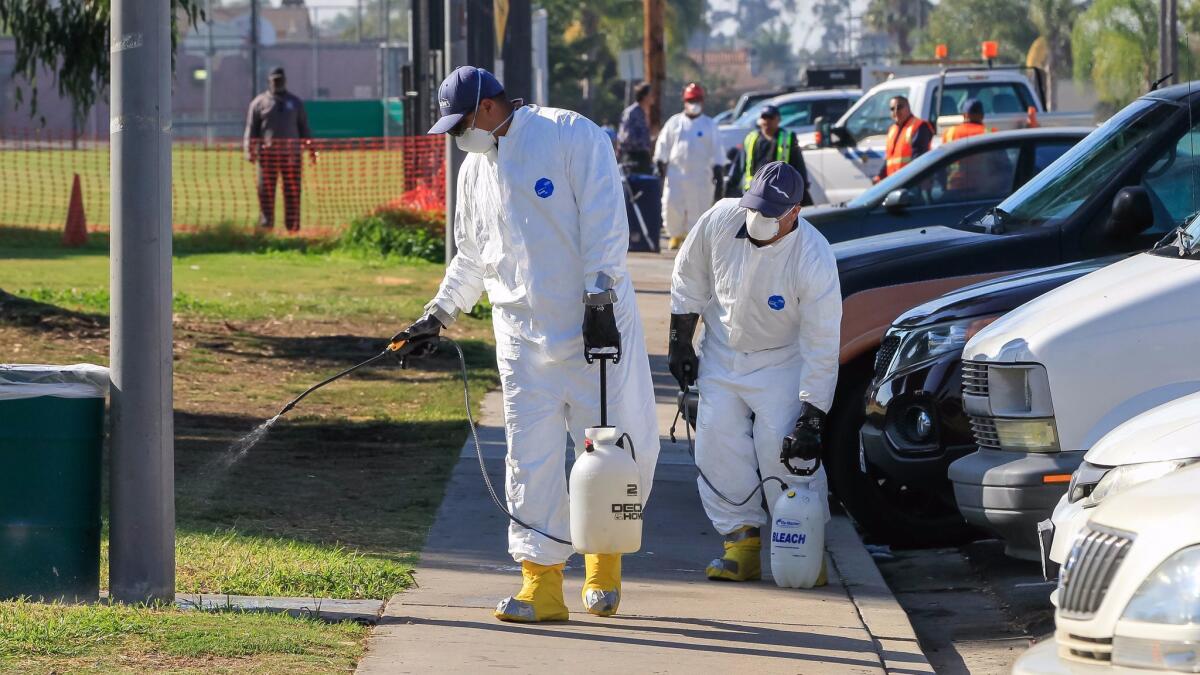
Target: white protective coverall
(537,221)
(772,320)
(691,147)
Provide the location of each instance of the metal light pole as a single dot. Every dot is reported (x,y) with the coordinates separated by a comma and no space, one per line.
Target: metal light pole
(142,479)
(254,40)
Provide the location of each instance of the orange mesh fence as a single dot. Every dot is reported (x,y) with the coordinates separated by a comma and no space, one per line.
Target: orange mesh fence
(218,184)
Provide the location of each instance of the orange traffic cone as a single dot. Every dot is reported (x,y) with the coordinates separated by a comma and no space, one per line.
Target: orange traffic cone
(75,234)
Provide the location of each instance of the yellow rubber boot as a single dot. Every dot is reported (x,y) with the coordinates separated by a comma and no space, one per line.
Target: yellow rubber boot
(674,242)
(741,560)
(602,585)
(540,598)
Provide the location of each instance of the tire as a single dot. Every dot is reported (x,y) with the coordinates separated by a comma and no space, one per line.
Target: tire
(888,511)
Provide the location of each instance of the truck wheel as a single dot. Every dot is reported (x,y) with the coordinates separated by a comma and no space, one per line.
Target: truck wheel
(888,511)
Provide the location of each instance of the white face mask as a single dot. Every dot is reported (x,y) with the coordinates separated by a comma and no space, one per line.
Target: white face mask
(760,227)
(693,109)
(479,140)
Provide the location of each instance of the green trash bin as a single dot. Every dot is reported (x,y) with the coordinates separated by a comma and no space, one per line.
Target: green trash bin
(51,433)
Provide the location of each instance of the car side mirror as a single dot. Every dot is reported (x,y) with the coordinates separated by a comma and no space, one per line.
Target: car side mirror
(897,200)
(1131,214)
(824,129)
(841,137)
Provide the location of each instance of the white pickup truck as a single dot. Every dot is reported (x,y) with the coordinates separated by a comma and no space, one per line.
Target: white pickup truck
(843,157)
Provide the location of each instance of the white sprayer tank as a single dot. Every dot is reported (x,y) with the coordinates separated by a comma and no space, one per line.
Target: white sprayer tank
(606,496)
(797,538)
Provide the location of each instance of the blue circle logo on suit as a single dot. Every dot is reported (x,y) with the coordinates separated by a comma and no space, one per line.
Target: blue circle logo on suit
(544,187)
(775,302)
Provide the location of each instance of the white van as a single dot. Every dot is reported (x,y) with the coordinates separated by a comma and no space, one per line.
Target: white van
(1044,383)
(1129,595)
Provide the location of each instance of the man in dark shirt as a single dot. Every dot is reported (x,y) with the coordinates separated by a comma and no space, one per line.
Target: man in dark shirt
(634,135)
(769,143)
(275,126)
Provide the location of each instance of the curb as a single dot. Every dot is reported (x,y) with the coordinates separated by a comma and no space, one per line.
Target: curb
(895,640)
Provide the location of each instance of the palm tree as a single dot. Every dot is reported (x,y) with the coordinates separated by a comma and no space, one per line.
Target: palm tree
(1053,20)
(899,19)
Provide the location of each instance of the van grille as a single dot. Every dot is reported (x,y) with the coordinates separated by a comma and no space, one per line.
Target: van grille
(984,429)
(887,351)
(1094,559)
(975,378)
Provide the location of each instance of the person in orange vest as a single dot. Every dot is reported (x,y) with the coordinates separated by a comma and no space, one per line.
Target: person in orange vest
(907,139)
(972,112)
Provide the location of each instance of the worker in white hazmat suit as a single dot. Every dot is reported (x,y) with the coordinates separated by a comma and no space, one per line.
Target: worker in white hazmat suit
(540,225)
(766,284)
(689,156)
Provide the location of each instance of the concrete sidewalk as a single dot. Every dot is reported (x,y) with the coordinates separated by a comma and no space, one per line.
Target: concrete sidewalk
(671,619)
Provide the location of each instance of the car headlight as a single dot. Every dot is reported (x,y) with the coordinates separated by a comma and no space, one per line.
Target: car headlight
(1121,478)
(925,344)
(1169,596)
(1029,435)
(1084,480)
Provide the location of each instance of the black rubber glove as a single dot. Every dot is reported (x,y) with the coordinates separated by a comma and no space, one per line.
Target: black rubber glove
(804,443)
(681,355)
(419,340)
(718,183)
(600,335)
(660,170)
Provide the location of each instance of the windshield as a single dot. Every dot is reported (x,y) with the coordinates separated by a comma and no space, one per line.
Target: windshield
(897,180)
(873,117)
(1059,190)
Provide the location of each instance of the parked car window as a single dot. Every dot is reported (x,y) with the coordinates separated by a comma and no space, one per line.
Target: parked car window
(1172,182)
(1058,192)
(983,175)
(831,109)
(1044,154)
(873,117)
(999,98)
(797,113)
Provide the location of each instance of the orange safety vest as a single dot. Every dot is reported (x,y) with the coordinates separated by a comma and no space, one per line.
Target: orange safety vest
(899,144)
(964,130)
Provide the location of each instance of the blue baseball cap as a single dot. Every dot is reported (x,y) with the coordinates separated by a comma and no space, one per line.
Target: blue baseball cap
(460,93)
(971,106)
(769,111)
(776,188)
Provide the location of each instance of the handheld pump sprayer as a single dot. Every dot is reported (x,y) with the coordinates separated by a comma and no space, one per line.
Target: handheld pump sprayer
(605,494)
(797,516)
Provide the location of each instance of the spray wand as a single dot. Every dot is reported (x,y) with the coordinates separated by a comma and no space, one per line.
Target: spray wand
(398,348)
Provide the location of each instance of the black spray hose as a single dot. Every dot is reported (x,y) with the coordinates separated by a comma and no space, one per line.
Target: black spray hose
(398,349)
(487,481)
(692,451)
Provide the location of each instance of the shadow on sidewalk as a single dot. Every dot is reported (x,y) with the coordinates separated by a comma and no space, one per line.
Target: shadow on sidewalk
(737,639)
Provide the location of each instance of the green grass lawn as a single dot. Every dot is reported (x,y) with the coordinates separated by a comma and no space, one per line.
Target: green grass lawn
(210,186)
(335,502)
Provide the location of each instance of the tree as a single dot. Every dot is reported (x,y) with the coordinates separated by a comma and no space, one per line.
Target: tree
(1053,19)
(899,19)
(1115,45)
(69,38)
(963,24)
(832,15)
